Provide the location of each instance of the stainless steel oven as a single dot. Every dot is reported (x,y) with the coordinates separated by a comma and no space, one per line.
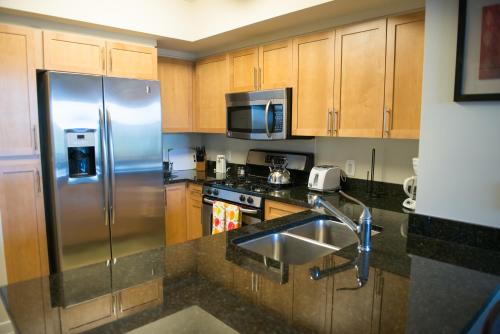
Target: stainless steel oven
(259,115)
(250,215)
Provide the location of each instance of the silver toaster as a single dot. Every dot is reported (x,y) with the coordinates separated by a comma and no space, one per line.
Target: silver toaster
(324,178)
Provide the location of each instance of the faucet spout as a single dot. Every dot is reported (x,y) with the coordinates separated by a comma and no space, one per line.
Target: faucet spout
(362,230)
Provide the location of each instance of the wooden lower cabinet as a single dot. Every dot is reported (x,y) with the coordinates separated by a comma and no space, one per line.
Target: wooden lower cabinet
(175,213)
(101,310)
(139,297)
(275,209)
(193,211)
(23,220)
(90,314)
(182,212)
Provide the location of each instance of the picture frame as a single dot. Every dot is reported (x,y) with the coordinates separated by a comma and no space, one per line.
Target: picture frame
(477,70)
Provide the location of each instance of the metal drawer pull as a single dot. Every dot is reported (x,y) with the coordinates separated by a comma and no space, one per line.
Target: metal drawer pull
(386,120)
(252,212)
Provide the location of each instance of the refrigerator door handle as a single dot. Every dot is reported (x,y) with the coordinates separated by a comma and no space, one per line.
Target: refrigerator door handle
(105,172)
(111,167)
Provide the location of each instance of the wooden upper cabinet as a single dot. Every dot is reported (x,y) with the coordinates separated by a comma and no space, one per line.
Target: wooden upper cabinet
(131,61)
(176,81)
(275,65)
(243,66)
(18,102)
(210,91)
(313,70)
(359,79)
(23,221)
(74,53)
(403,80)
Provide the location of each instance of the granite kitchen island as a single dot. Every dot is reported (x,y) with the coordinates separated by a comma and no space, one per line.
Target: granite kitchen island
(419,280)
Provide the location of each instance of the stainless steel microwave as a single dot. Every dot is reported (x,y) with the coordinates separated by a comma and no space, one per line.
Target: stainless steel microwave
(259,115)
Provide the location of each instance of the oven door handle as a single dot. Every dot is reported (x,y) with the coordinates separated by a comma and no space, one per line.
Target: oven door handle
(266,115)
(252,212)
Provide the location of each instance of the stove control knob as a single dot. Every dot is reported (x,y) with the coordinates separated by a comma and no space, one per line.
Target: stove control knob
(209,191)
(216,192)
(249,200)
(242,198)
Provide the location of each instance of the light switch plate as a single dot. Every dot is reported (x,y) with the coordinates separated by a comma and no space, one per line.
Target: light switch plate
(350,168)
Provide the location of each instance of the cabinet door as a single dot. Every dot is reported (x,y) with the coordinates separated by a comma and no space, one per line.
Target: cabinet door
(394,307)
(275,296)
(243,70)
(313,69)
(277,209)
(140,297)
(194,205)
(74,53)
(18,109)
(210,95)
(403,80)
(131,61)
(176,82)
(352,307)
(275,65)
(90,314)
(23,221)
(175,216)
(359,79)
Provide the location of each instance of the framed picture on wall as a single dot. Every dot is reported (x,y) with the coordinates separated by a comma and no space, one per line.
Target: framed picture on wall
(477,75)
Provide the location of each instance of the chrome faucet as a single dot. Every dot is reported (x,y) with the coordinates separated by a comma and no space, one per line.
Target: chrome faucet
(362,230)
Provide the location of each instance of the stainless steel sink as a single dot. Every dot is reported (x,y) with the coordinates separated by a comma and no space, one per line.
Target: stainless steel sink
(327,231)
(287,248)
(304,243)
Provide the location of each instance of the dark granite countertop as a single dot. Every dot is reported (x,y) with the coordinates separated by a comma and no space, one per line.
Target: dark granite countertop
(415,283)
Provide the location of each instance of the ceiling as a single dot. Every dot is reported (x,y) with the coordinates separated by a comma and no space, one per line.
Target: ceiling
(203,26)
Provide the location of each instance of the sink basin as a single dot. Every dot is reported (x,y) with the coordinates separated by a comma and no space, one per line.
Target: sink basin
(328,232)
(287,248)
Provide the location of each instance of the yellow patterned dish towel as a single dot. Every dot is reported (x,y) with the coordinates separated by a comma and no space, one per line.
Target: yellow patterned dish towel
(233,217)
(225,217)
(218,217)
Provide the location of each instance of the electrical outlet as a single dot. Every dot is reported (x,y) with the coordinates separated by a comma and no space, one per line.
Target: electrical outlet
(228,156)
(350,168)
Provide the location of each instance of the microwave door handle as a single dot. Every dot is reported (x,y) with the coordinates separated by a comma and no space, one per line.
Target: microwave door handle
(266,114)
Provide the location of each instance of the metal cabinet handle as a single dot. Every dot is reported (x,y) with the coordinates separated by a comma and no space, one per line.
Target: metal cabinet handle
(38,181)
(386,120)
(335,120)
(35,142)
(110,61)
(111,167)
(329,121)
(266,115)
(105,170)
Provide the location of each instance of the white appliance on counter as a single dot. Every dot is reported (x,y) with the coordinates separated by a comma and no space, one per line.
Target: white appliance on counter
(324,178)
(410,187)
(182,158)
(220,164)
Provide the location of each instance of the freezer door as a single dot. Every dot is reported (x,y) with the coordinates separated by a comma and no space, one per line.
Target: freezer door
(133,111)
(76,202)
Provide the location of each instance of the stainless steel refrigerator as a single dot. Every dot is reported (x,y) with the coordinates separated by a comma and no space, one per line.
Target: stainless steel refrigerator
(102,166)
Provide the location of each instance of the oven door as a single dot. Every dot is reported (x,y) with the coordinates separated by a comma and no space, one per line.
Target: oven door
(262,115)
(249,215)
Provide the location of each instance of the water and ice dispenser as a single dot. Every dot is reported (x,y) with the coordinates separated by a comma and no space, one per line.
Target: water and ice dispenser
(81,152)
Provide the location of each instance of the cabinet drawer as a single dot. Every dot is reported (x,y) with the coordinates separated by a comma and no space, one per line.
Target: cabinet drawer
(140,297)
(277,209)
(90,314)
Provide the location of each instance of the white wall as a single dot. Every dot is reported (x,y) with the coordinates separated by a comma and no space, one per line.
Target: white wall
(459,142)
(393,157)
